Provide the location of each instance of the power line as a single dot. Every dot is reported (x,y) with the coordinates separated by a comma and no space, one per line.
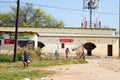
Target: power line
(55,7)
(6,5)
(70,9)
(108,13)
(7,1)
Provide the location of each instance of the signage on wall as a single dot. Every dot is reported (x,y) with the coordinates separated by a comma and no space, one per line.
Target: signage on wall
(9,41)
(66,40)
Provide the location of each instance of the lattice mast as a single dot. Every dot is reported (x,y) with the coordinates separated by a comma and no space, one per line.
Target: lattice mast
(90,20)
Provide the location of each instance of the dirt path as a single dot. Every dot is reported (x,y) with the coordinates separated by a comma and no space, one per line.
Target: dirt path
(96,69)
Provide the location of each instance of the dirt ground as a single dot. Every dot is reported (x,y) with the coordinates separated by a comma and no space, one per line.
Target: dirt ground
(96,69)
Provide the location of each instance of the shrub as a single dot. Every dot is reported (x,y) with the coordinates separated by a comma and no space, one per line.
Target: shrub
(33,54)
(6,58)
(19,54)
(38,51)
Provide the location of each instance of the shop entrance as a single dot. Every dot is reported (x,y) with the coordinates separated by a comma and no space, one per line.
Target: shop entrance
(89,47)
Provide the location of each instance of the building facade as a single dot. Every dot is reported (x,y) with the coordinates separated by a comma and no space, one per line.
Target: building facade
(100,42)
(7,40)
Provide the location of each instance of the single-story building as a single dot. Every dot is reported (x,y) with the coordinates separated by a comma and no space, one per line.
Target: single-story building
(7,40)
(99,41)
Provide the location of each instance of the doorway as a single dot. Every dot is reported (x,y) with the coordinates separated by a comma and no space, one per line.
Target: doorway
(110,50)
(89,47)
(0,42)
(41,45)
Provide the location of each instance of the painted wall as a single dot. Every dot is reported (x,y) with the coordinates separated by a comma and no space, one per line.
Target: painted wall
(53,43)
(51,38)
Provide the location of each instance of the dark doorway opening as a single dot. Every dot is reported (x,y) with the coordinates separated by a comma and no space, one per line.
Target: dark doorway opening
(89,52)
(40,45)
(0,42)
(89,47)
(62,45)
(109,50)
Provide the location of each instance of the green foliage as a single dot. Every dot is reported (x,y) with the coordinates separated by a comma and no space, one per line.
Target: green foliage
(33,53)
(20,53)
(5,58)
(33,56)
(29,17)
(21,74)
(9,58)
(26,25)
(6,19)
(45,62)
(38,51)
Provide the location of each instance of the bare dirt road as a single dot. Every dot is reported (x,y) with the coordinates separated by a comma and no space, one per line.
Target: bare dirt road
(96,69)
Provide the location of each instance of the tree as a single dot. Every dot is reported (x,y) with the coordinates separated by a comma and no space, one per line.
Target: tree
(6,19)
(30,17)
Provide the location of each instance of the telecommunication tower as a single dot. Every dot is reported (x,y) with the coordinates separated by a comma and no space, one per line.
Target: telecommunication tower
(90,20)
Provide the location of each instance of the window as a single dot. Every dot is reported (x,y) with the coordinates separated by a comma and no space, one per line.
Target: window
(22,43)
(62,45)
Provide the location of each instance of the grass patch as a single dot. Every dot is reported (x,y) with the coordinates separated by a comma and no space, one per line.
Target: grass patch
(15,70)
(46,62)
(21,74)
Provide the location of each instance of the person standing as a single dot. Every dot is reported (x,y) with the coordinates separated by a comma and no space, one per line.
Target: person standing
(67,52)
(26,59)
(56,54)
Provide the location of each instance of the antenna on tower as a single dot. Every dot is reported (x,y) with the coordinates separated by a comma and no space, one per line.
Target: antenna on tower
(89,6)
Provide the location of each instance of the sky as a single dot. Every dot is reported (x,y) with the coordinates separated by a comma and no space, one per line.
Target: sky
(71,11)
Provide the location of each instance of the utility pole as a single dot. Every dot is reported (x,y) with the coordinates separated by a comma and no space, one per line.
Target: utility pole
(91,6)
(16,31)
(119,28)
(90,17)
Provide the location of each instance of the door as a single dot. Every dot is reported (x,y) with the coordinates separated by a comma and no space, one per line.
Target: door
(109,50)
(0,42)
(89,52)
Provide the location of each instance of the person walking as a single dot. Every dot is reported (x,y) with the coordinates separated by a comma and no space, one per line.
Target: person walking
(67,52)
(26,59)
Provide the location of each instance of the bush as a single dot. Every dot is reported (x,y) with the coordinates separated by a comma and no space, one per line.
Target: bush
(38,51)
(19,54)
(5,58)
(33,54)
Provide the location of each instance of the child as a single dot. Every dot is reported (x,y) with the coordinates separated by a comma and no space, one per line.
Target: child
(26,59)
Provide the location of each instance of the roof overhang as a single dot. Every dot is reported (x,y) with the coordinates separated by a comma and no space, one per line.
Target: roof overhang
(77,35)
